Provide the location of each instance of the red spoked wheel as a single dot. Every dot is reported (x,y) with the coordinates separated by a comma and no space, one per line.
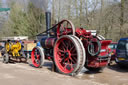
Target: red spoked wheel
(37,57)
(65,27)
(68,55)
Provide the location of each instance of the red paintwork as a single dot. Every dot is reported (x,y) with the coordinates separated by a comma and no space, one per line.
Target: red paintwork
(82,32)
(104,45)
(34,57)
(59,50)
(94,61)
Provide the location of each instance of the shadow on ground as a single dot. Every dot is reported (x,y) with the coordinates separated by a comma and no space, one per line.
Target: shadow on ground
(46,64)
(92,72)
(116,67)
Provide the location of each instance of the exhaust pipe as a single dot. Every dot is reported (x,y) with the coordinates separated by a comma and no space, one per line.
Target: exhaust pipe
(48,22)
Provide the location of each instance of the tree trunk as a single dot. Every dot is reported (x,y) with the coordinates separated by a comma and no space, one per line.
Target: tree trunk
(81,11)
(76,11)
(53,11)
(69,9)
(59,10)
(101,15)
(122,17)
(87,13)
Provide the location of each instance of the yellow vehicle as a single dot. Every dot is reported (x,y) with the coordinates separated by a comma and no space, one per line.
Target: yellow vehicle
(13,51)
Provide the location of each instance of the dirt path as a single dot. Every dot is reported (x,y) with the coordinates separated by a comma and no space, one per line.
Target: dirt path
(25,74)
(112,75)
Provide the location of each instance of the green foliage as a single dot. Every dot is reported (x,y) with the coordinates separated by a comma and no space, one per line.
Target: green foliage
(24,22)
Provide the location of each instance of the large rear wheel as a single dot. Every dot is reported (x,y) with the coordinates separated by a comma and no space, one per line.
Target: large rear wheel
(37,57)
(68,55)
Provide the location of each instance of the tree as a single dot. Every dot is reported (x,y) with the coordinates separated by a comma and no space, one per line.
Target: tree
(87,20)
(27,23)
(122,16)
(81,11)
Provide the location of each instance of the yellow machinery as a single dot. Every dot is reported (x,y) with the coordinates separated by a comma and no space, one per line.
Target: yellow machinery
(13,50)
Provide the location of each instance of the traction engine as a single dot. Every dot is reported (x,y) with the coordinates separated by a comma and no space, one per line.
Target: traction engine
(70,48)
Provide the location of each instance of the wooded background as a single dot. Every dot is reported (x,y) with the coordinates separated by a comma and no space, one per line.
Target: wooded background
(108,17)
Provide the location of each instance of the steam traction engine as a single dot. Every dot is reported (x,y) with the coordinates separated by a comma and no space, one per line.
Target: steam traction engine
(70,49)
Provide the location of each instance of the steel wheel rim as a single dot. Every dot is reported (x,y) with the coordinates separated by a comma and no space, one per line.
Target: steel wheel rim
(83,57)
(36,57)
(66,63)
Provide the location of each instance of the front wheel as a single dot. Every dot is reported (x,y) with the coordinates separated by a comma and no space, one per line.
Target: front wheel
(37,57)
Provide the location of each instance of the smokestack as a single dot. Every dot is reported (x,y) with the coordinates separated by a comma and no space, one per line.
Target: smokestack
(48,21)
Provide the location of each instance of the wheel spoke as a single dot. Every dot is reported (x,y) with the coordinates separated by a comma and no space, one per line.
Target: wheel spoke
(60,50)
(35,53)
(61,60)
(69,44)
(62,27)
(70,65)
(66,59)
(73,51)
(65,67)
(67,23)
(72,48)
(64,45)
(38,57)
(72,61)
(65,30)
(74,58)
(73,54)
(60,54)
(63,48)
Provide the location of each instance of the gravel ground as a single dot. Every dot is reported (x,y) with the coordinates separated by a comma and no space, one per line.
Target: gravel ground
(25,74)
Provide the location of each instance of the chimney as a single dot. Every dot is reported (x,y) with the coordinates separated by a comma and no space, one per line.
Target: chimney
(48,22)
